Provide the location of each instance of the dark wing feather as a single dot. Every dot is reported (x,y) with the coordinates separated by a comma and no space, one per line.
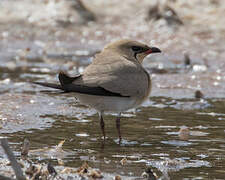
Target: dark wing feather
(67,86)
(64,79)
(51,85)
(98,91)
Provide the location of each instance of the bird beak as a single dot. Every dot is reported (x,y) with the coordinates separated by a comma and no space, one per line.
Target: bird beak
(152,50)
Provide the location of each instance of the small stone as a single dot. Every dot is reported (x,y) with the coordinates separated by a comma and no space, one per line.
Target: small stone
(184,133)
(123,161)
(117,178)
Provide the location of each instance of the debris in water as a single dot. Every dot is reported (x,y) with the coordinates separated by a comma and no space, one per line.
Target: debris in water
(184,133)
(68,170)
(35,170)
(171,16)
(59,146)
(60,161)
(149,174)
(199,94)
(123,161)
(187,60)
(85,169)
(84,11)
(95,174)
(51,170)
(25,148)
(154,13)
(165,12)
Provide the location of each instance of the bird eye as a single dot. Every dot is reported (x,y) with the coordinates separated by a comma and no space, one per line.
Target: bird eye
(136,48)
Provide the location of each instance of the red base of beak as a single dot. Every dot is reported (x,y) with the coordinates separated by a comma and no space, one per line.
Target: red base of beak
(148,51)
(153,50)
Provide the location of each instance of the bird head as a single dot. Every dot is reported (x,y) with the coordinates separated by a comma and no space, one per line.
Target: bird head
(132,50)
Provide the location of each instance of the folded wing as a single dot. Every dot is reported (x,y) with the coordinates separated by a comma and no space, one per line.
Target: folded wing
(117,76)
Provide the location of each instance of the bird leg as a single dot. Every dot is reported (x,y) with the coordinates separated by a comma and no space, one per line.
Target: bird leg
(118,127)
(102,124)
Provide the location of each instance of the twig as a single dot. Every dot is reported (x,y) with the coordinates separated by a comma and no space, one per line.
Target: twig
(25,148)
(16,167)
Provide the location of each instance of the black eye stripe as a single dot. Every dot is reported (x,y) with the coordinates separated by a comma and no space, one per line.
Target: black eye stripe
(136,48)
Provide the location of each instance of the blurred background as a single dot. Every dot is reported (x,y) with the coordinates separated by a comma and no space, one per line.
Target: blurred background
(39,38)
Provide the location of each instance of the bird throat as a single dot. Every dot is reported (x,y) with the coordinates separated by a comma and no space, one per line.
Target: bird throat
(139,57)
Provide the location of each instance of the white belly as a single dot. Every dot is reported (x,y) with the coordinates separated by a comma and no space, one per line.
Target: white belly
(107,103)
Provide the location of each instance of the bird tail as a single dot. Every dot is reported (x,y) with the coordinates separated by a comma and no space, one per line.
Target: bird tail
(51,85)
(64,80)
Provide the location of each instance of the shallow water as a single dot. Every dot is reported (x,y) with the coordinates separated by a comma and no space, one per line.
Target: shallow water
(151,134)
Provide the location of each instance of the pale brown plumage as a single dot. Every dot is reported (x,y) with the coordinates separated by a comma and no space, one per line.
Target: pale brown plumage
(116,74)
(114,81)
